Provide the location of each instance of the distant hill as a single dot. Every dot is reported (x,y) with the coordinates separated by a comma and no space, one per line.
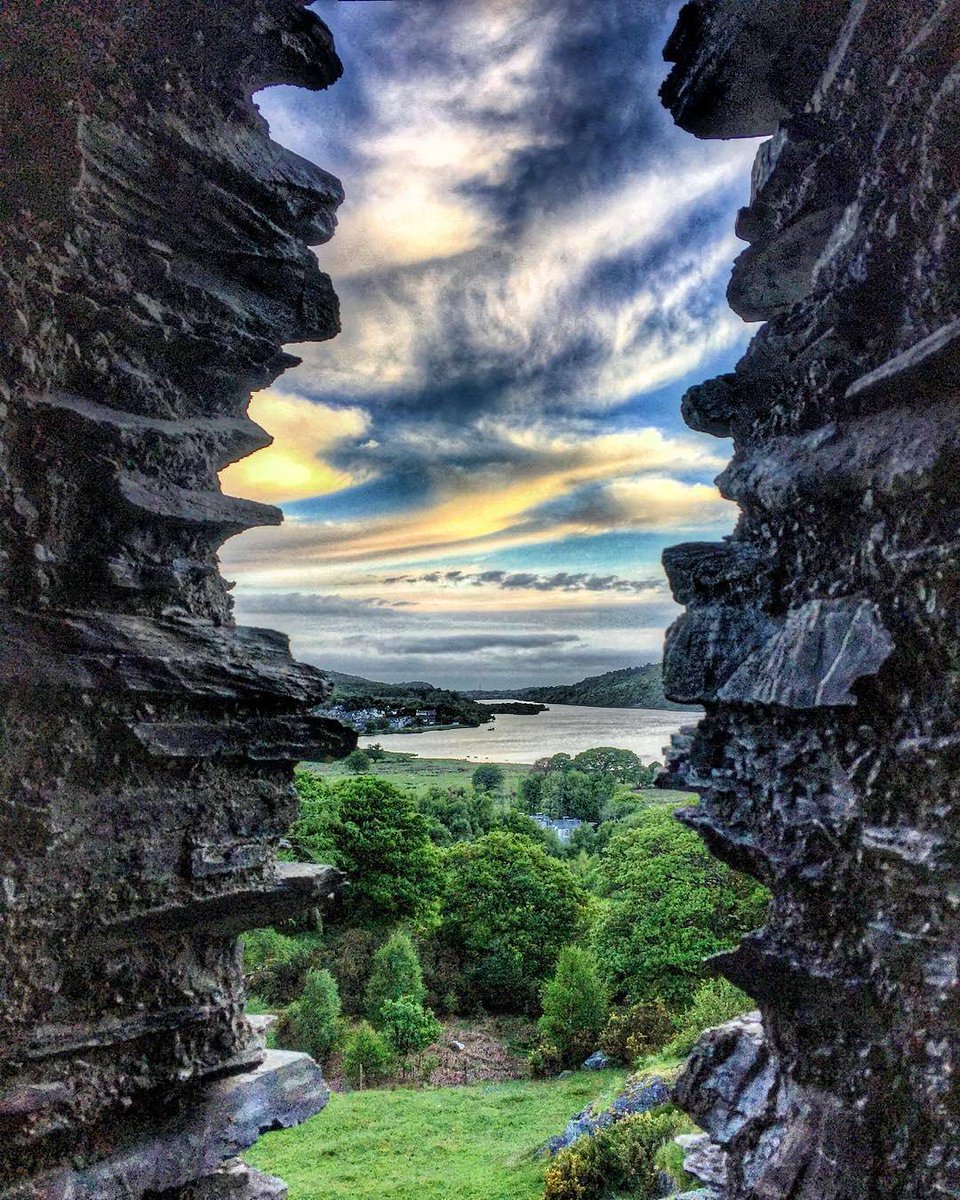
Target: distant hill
(374,707)
(347,686)
(631,687)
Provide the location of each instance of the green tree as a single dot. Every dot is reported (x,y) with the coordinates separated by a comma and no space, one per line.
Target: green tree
(623,766)
(376,752)
(374,832)
(408,1027)
(553,762)
(396,972)
(574,1006)
(508,908)
(574,794)
(357,761)
(367,1056)
(670,905)
(529,791)
(312,1023)
(488,777)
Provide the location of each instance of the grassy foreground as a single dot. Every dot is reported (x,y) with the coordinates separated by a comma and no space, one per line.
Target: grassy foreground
(454,1143)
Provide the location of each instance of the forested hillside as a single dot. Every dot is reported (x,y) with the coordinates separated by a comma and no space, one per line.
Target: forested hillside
(631,687)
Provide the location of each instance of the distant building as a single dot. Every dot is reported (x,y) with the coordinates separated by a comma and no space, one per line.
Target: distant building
(563,827)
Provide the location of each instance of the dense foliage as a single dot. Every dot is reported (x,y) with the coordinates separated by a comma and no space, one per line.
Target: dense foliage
(488,777)
(636,1031)
(396,973)
(367,1057)
(312,1023)
(408,1027)
(714,1001)
(632,687)
(670,904)
(374,832)
(508,908)
(459,901)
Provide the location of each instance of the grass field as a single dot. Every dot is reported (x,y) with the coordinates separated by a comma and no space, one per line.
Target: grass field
(460,1143)
(423,773)
(419,774)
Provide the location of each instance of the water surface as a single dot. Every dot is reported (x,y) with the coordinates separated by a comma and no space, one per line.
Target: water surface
(567,727)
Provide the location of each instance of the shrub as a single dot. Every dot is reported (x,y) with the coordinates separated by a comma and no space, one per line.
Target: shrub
(637,1031)
(574,1006)
(488,777)
(358,762)
(620,1158)
(312,1023)
(367,1057)
(544,1059)
(447,989)
(670,1159)
(396,973)
(408,1027)
(275,965)
(715,1001)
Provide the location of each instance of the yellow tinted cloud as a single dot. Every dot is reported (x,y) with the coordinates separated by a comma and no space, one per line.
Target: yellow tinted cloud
(292,469)
(498,507)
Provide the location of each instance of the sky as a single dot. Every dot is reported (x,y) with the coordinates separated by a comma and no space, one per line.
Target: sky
(479,474)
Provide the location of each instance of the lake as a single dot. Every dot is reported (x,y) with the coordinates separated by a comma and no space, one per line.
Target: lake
(567,727)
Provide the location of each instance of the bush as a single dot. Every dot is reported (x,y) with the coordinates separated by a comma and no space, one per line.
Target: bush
(574,1006)
(275,965)
(620,1158)
(358,762)
(396,973)
(367,1057)
(488,777)
(544,1059)
(408,1027)
(312,1023)
(637,1031)
(715,1001)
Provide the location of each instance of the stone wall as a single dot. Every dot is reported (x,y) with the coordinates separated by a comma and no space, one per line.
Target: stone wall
(153,261)
(823,637)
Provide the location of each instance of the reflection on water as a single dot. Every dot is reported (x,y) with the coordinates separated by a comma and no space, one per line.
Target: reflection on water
(566,727)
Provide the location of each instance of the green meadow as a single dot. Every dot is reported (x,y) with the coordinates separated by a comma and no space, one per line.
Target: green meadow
(455,1143)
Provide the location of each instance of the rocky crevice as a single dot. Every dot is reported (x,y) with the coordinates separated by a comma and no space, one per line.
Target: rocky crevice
(822,636)
(154,263)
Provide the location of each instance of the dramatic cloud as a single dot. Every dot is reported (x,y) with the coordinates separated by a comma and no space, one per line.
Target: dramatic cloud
(531,263)
(292,469)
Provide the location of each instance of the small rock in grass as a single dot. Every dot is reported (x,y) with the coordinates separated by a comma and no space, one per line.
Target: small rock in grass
(597,1061)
